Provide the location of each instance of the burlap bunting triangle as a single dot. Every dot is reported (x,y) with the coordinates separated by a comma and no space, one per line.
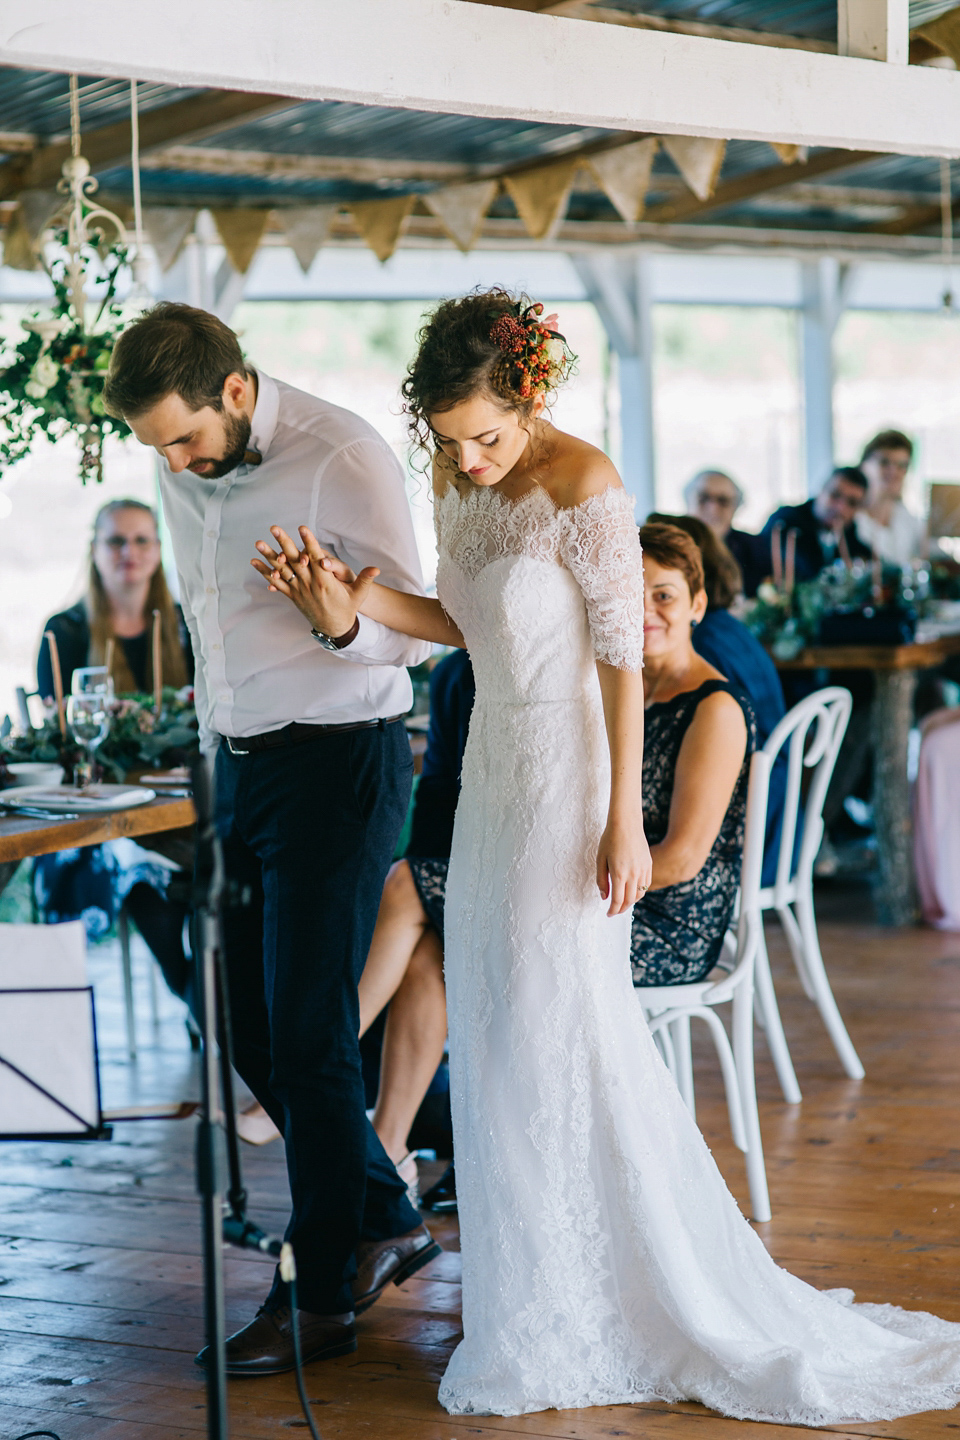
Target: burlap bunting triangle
(380,222)
(698,159)
(789,154)
(167,227)
(540,195)
(624,174)
(944,32)
(307,228)
(241,231)
(461,209)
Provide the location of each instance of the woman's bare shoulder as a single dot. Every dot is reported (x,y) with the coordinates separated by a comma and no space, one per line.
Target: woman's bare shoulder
(578,471)
(720,711)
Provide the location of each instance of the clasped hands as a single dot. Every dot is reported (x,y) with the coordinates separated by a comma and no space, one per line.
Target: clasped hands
(323,588)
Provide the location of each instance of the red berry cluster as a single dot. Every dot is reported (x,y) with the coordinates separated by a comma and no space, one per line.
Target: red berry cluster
(524,338)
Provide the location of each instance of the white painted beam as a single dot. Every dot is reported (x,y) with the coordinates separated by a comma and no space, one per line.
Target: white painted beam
(874,29)
(455,57)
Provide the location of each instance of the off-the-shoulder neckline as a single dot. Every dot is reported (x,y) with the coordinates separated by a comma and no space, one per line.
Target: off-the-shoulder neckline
(517,501)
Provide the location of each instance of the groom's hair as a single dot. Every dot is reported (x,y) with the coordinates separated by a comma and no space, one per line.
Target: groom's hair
(171,350)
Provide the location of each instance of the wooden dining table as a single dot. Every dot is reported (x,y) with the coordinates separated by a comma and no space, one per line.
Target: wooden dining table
(24,836)
(894,669)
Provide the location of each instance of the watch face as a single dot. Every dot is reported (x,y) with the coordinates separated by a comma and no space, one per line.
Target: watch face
(324,640)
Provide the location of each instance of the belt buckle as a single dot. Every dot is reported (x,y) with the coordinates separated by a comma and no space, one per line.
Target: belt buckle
(229,740)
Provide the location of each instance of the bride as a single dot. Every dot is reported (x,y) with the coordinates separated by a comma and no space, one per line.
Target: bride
(604,1260)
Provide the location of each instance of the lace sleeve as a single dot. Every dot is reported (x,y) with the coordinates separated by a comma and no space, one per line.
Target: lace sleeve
(601,548)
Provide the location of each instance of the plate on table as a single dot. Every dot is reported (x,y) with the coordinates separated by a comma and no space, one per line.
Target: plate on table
(57,798)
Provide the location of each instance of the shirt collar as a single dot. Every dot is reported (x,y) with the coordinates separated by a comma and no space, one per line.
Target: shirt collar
(266,412)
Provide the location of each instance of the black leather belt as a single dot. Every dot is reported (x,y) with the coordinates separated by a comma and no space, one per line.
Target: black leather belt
(298,734)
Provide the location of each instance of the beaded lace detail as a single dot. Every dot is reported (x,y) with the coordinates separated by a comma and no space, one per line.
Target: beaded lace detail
(596,540)
(604,1259)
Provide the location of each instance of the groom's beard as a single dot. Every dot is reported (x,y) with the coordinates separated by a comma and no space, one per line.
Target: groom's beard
(236,439)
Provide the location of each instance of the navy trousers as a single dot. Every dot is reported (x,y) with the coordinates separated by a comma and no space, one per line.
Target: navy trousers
(308,834)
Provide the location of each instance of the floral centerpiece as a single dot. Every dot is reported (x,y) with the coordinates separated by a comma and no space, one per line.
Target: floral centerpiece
(139,737)
(812,612)
(51,382)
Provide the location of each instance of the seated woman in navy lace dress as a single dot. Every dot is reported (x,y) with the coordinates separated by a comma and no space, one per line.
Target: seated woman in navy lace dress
(699,733)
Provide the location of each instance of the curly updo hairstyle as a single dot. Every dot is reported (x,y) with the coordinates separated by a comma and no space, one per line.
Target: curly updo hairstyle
(488,342)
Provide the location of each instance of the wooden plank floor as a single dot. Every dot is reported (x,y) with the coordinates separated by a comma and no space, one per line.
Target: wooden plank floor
(100,1281)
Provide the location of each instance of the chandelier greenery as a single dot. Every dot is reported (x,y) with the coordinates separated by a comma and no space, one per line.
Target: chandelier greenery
(51,381)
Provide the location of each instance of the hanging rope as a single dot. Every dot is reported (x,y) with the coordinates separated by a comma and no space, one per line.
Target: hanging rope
(946,233)
(74,117)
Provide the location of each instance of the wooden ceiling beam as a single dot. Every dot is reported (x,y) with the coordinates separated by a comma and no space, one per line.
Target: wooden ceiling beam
(916,219)
(754,183)
(633,20)
(259,164)
(194,118)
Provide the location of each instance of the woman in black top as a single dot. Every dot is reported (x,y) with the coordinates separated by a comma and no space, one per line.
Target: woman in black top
(699,733)
(126,584)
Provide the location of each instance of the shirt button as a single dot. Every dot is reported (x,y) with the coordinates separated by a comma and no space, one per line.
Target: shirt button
(212,534)
(211,590)
(218,647)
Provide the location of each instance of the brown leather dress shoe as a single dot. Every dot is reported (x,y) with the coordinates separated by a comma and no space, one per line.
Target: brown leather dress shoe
(265,1346)
(380,1261)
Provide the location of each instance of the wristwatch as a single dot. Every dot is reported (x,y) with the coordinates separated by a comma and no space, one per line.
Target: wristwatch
(337,642)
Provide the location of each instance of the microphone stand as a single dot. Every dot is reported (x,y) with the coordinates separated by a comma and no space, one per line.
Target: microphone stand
(220,1222)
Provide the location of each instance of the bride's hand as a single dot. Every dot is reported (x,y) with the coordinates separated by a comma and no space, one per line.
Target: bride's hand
(323,588)
(624,867)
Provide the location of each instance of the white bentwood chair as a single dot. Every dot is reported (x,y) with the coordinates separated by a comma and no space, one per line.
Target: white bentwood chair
(670,1008)
(826,713)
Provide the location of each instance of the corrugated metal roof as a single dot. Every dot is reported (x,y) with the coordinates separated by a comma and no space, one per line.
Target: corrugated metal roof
(280,154)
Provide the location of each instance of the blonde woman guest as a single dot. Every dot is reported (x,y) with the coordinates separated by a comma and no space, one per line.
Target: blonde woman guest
(125,585)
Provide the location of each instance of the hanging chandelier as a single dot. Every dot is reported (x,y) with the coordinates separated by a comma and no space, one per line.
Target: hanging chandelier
(87,225)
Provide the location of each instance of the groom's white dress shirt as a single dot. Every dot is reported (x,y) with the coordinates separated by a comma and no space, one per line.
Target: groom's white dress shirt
(257,665)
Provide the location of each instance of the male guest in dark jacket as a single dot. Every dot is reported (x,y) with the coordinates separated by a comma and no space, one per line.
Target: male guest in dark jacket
(824,525)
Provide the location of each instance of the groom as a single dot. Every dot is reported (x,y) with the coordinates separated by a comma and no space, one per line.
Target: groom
(313,774)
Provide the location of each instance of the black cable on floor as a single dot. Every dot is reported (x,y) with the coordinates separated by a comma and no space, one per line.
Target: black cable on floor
(35,1434)
(288,1272)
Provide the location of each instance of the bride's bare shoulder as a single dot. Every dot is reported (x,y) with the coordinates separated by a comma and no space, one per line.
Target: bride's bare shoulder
(578,471)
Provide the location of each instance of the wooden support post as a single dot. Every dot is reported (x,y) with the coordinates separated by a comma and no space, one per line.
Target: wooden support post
(874,30)
(892,716)
(619,287)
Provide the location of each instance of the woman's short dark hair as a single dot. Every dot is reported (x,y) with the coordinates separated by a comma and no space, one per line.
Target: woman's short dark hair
(171,350)
(887,440)
(722,577)
(674,549)
(458,357)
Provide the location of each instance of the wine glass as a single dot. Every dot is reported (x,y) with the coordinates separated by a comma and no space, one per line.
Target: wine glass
(88,714)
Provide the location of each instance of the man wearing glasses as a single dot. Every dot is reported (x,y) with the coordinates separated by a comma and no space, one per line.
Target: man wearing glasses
(714,497)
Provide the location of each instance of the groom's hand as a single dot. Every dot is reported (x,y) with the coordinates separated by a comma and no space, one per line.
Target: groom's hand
(324,590)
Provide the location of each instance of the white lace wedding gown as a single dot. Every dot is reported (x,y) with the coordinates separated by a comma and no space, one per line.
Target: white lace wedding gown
(604,1259)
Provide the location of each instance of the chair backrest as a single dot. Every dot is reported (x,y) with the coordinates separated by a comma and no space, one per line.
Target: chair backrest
(43,957)
(751,871)
(829,711)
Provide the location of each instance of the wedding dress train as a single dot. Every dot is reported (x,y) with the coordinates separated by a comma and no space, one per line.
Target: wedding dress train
(604,1259)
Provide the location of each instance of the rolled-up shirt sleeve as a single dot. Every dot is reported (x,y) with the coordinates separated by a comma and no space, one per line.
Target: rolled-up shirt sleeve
(361,513)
